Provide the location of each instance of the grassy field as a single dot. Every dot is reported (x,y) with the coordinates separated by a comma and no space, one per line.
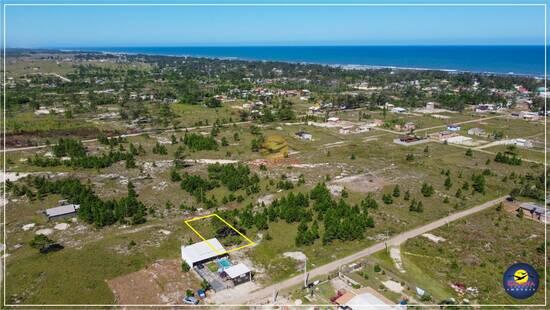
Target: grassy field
(34,278)
(530,154)
(473,255)
(96,255)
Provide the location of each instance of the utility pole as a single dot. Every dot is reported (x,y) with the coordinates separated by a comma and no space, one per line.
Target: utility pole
(386,241)
(305,273)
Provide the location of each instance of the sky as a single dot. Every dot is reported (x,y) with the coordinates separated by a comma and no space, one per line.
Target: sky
(124,26)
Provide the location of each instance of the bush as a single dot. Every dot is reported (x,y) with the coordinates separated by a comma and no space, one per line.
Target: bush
(185,267)
(40,241)
(427,190)
(377,268)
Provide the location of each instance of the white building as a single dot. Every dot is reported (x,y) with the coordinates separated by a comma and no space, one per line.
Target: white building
(346,130)
(202,252)
(239,273)
(460,140)
(304,135)
(523,143)
(62,211)
(477,132)
(453,128)
(399,110)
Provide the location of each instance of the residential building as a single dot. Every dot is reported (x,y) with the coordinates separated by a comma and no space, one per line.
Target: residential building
(202,252)
(398,110)
(238,274)
(453,127)
(536,211)
(304,135)
(477,132)
(62,211)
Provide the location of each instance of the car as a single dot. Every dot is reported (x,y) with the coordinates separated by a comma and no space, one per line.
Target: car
(201,294)
(190,300)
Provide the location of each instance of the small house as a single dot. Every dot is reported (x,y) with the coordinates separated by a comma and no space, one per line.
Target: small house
(67,210)
(202,252)
(530,116)
(238,274)
(453,128)
(477,132)
(410,126)
(442,135)
(523,143)
(485,108)
(304,135)
(346,130)
(399,110)
(536,211)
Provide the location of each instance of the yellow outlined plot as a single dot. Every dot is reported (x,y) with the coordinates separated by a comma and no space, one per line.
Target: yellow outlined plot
(250,242)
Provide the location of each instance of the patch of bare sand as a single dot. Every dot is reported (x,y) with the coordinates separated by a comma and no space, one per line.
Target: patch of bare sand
(161,283)
(361,183)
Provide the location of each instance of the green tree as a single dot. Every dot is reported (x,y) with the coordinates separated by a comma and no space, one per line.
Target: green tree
(448,183)
(396,191)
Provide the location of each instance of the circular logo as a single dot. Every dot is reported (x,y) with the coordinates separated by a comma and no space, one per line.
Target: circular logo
(520,280)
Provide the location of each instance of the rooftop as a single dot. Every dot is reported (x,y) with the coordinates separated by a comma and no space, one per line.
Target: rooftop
(62,210)
(201,251)
(237,270)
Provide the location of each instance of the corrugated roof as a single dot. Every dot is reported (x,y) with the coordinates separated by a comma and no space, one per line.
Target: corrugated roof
(62,210)
(201,251)
(237,270)
(368,300)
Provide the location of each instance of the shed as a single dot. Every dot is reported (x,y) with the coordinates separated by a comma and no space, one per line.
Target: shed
(239,273)
(61,211)
(304,135)
(202,252)
(453,127)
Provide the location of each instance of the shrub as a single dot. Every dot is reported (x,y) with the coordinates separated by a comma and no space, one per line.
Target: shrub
(185,268)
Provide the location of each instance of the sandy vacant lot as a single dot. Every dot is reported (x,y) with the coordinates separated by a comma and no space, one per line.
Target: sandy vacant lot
(161,283)
(362,183)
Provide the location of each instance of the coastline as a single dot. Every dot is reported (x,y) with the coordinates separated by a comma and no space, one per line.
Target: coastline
(334,65)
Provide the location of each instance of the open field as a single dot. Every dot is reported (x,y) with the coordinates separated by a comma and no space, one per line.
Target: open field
(435,266)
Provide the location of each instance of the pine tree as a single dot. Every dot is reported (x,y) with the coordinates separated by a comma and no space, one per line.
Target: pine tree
(448,184)
(396,191)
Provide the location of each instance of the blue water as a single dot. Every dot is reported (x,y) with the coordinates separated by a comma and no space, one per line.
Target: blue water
(525,60)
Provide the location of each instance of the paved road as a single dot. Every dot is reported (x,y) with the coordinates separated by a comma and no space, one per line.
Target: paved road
(263,295)
(151,130)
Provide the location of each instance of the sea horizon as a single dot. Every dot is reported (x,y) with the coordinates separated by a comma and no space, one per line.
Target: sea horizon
(527,60)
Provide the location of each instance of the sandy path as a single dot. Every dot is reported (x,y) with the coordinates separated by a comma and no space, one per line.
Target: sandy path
(150,130)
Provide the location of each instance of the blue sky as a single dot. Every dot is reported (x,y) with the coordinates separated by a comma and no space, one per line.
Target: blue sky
(100,26)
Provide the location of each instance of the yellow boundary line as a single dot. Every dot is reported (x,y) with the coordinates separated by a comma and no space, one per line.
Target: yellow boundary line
(250,242)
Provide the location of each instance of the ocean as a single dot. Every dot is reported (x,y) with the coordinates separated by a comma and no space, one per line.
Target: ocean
(519,60)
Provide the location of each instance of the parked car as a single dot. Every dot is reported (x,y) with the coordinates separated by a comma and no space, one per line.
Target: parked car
(201,294)
(190,300)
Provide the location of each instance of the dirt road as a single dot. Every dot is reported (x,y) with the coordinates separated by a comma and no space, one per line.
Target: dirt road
(461,123)
(150,130)
(263,296)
